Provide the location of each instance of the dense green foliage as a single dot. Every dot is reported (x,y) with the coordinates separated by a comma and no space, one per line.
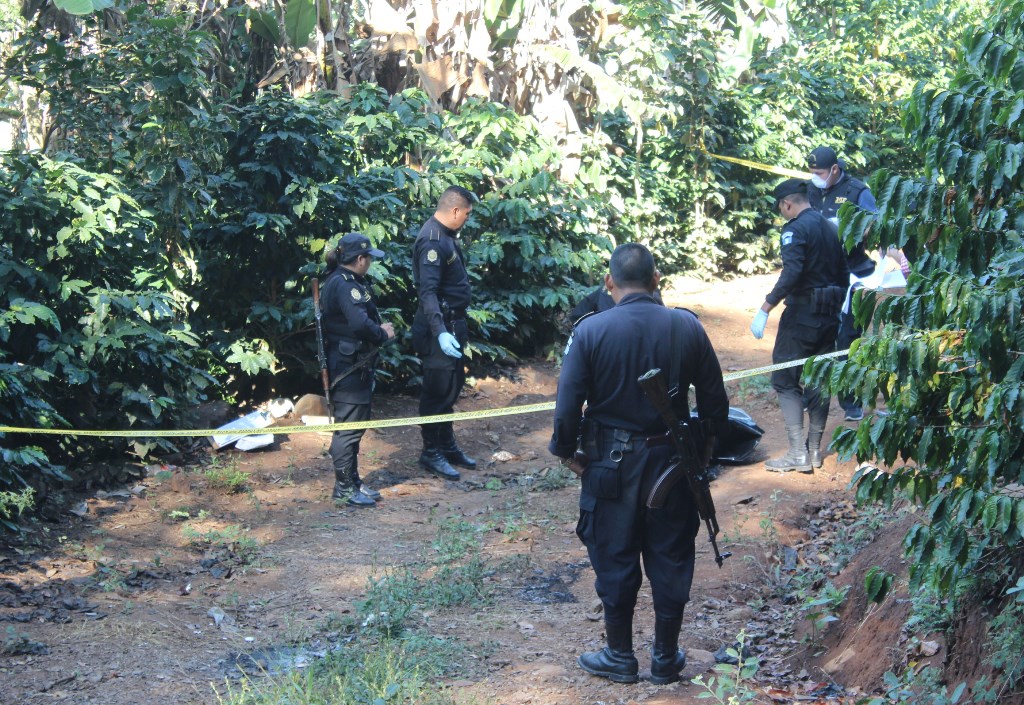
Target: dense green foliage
(163,217)
(176,243)
(948,357)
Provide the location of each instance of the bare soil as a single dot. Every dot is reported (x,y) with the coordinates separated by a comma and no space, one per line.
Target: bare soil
(118,600)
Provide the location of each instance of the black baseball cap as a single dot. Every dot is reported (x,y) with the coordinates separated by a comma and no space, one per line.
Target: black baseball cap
(822,158)
(355,244)
(788,188)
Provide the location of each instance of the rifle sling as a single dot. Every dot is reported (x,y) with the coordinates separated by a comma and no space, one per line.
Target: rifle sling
(676,349)
(358,365)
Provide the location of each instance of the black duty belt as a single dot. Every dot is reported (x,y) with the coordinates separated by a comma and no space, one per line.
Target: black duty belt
(623,441)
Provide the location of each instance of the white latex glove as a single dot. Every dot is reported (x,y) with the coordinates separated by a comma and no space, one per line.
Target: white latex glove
(449,345)
(758,324)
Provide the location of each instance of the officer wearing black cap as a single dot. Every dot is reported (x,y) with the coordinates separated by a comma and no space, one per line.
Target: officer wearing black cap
(439,328)
(813,284)
(831,187)
(622,435)
(352,330)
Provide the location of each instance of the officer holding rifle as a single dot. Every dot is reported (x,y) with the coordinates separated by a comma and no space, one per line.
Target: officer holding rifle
(623,444)
(352,333)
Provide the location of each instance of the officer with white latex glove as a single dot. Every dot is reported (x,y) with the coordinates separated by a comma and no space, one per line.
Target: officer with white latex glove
(759,322)
(449,345)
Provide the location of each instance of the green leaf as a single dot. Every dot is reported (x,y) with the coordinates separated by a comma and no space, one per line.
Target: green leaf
(76,7)
(265,25)
(299,21)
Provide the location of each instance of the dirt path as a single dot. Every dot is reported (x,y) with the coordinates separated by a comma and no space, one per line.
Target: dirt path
(124,598)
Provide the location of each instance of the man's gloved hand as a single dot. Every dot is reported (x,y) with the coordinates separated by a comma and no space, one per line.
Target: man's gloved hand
(449,345)
(758,324)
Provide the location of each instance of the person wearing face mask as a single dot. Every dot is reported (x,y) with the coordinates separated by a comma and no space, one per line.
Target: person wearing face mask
(813,284)
(439,330)
(831,187)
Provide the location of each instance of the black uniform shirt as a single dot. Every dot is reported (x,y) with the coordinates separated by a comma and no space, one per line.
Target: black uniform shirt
(811,257)
(349,314)
(598,300)
(827,201)
(439,271)
(608,353)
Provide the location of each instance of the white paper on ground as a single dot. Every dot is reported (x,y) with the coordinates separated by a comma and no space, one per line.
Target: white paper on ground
(253,442)
(256,419)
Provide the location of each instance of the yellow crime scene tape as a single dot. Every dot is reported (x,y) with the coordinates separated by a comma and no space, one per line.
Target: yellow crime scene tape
(416,420)
(377,423)
(780,170)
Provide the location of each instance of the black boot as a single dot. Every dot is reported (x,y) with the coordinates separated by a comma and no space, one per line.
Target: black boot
(369,492)
(432,459)
(357,482)
(796,458)
(667,659)
(445,436)
(616,661)
(352,494)
(454,455)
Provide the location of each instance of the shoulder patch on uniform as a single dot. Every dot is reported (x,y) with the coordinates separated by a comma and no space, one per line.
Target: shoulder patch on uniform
(787,237)
(568,343)
(356,294)
(431,255)
(435,235)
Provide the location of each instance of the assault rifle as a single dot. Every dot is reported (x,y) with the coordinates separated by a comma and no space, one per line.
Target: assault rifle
(321,355)
(687,463)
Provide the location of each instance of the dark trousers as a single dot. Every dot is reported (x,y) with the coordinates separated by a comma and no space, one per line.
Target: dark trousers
(443,379)
(848,332)
(801,334)
(344,448)
(619,531)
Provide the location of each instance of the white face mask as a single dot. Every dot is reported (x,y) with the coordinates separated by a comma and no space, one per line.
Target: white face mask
(818,181)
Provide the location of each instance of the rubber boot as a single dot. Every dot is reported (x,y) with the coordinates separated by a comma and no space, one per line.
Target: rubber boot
(817,417)
(616,661)
(796,458)
(451,451)
(432,459)
(667,659)
(814,447)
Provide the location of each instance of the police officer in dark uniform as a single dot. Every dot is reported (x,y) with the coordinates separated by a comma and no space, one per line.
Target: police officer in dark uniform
(621,435)
(813,283)
(598,300)
(353,330)
(439,328)
(830,188)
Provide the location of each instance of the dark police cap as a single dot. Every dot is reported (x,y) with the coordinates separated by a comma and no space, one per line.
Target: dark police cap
(822,158)
(788,188)
(355,244)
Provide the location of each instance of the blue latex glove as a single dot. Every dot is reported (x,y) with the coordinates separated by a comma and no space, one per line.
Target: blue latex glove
(758,324)
(449,345)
